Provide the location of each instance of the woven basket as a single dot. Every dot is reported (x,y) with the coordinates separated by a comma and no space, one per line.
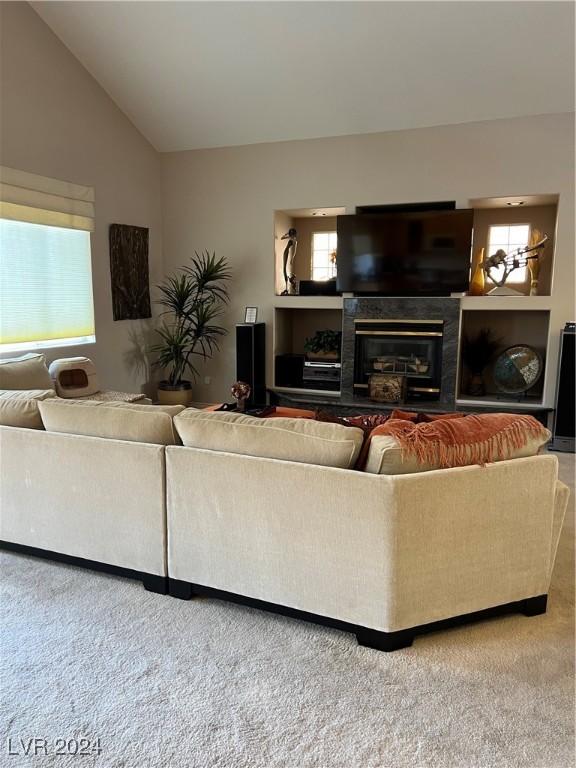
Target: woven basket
(387,387)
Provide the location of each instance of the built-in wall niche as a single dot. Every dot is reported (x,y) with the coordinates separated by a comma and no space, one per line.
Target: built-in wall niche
(509,328)
(306,222)
(515,216)
(292,326)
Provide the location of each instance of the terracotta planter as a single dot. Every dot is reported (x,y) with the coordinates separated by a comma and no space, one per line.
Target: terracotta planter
(175,394)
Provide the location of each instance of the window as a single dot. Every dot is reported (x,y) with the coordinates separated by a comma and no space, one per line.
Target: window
(45,262)
(45,286)
(509,238)
(323,255)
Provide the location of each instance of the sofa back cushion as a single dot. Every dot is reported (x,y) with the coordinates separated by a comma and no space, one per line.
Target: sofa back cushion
(20,408)
(115,420)
(400,447)
(26,372)
(300,440)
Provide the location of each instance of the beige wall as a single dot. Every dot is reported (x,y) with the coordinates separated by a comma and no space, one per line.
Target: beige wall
(245,185)
(57,121)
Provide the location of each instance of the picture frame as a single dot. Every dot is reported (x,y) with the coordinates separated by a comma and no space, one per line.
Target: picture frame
(251,315)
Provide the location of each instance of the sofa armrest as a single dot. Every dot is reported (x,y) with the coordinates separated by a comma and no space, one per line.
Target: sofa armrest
(471,538)
(561,496)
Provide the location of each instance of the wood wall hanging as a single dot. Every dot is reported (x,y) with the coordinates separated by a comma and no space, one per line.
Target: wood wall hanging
(129,272)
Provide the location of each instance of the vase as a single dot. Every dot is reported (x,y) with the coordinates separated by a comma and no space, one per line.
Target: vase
(478,282)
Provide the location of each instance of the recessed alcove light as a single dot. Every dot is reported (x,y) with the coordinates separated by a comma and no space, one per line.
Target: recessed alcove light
(515,203)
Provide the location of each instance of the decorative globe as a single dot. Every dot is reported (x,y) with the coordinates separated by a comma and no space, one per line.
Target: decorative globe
(517,369)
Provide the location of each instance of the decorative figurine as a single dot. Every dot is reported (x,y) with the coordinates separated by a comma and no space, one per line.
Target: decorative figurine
(288,265)
(240,392)
(514,260)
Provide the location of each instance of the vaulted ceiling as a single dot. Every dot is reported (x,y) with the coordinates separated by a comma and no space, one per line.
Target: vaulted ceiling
(206,74)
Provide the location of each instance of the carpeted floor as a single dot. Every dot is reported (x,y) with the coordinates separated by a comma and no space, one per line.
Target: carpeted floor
(163,682)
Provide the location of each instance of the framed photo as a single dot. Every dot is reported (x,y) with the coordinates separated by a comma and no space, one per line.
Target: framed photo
(251,315)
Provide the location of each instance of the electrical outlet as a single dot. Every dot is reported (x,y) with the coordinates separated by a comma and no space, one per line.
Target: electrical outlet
(207,380)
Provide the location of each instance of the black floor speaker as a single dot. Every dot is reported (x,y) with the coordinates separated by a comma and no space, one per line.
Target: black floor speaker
(564,416)
(251,360)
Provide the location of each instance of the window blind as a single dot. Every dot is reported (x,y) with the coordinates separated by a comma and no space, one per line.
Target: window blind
(45,262)
(41,200)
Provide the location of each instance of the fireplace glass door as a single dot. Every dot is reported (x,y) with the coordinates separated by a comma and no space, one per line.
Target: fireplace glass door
(412,351)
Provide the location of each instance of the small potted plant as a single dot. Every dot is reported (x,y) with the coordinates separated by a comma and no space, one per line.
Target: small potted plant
(324,345)
(193,300)
(477,352)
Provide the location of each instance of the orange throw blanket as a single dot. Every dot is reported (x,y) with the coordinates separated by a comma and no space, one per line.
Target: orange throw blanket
(456,442)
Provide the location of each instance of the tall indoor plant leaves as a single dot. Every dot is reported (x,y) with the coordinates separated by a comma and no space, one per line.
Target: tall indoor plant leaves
(193,300)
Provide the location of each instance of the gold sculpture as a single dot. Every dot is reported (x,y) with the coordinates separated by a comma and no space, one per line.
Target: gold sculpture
(522,257)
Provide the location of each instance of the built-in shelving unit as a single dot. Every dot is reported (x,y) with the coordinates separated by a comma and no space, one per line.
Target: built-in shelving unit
(525,404)
(525,325)
(295,321)
(505,303)
(515,319)
(308,302)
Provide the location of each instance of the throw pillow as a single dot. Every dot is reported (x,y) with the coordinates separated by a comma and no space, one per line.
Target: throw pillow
(299,440)
(19,408)
(26,372)
(113,420)
(399,447)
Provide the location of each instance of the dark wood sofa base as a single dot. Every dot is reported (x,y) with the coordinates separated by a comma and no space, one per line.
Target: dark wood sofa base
(151,582)
(370,638)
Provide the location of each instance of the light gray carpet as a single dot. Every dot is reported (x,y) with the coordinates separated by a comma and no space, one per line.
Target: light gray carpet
(204,683)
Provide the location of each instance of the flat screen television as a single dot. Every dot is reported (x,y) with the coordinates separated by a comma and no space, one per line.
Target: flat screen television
(405,254)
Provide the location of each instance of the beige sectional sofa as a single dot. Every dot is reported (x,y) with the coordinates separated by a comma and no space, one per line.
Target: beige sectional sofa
(251,510)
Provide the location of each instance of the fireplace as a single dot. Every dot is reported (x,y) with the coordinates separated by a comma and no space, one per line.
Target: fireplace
(410,347)
(414,337)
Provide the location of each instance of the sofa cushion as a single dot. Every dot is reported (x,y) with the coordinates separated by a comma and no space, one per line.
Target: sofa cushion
(19,408)
(400,447)
(300,440)
(26,372)
(116,420)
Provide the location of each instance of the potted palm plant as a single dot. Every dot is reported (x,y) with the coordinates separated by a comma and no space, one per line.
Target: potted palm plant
(193,300)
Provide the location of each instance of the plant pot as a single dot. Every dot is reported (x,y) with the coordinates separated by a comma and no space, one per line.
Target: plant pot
(321,356)
(175,394)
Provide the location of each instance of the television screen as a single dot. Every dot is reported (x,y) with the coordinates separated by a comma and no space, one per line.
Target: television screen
(405,254)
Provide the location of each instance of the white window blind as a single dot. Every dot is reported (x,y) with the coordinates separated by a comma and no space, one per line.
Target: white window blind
(509,238)
(323,255)
(45,262)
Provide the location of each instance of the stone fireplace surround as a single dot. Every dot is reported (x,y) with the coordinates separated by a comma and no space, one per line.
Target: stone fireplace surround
(425,308)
